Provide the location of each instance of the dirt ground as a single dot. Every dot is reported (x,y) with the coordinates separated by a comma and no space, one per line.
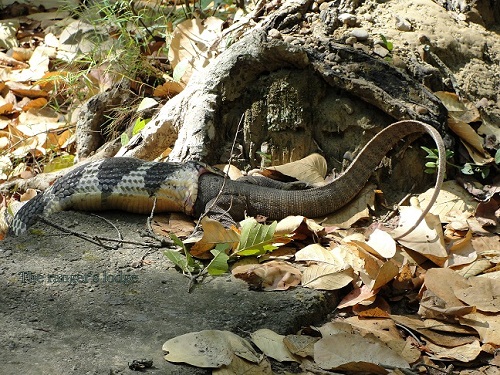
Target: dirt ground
(111,313)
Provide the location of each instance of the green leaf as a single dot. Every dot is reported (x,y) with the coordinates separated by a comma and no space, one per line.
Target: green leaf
(430,164)
(430,170)
(218,265)
(124,139)
(185,262)
(467,169)
(178,259)
(497,157)
(431,154)
(180,69)
(256,239)
(485,171)
(139,125)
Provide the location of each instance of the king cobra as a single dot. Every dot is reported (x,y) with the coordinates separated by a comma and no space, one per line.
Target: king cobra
(134,185)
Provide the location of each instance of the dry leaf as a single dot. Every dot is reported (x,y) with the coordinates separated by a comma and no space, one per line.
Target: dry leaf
(382,244)
(463,353)
(484,294)
(325,276)
(356,210)
(439,298)
(386,273)
(426,239)
(272,345)
(358,295)
(487,325)
(208,349)
(178,223)
(298,225)
(453,202)
(350,352)
(300,345)
(169,89)
(318,253)
(311,169)
(192,42)
(273,275)
(471,140)
(241,366)
(214,233)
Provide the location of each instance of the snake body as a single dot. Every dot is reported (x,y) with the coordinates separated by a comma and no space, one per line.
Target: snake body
(133,185)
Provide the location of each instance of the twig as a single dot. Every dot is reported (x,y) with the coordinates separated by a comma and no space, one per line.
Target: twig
(110,223)
(164,241)
(98,240)
(226,176)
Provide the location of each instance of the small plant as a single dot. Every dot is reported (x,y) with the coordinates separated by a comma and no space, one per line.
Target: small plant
(388,45)
(467,168)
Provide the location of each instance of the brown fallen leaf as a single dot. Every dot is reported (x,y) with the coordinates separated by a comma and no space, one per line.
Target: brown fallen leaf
(273,275)
(214,233)
(482,293)
(311,169)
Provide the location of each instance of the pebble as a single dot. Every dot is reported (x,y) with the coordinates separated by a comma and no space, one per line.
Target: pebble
(368,18)
(275,34)
(351,40)
(359,34)
(402,24)
(348,19)
(380,51)
(324,6)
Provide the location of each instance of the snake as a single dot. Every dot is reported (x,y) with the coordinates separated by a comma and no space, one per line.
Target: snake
(192,187)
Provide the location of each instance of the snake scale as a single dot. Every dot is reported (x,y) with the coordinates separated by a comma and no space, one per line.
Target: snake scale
(133,185)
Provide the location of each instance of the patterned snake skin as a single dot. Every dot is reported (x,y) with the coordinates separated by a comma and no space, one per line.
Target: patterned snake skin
(133,185)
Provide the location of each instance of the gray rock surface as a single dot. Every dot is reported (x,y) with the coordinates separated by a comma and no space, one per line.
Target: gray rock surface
(113,313)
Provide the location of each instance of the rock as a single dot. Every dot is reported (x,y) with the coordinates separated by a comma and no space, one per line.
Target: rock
(323,6)
(351,40)
(359,34)
(275,34)
(380,51)
(402,24)
(348,19)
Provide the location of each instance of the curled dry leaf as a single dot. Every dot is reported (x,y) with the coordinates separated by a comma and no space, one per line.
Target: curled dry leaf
(358,295)
(382,244)
(273,275)
(463,353)
(214,233)
(486,324)
(297,225)
(300,345)
(453,202)
(356,210)
(461,252)
(426,239)
(471,140)
(439,299)
(241,366)
(317,253)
